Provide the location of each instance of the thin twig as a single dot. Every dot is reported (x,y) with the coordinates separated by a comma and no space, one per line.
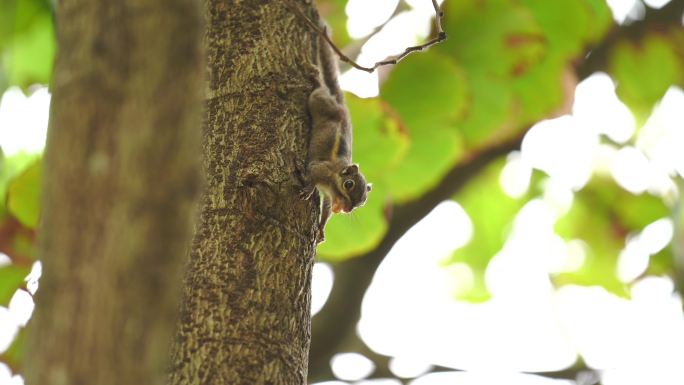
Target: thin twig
(441,36)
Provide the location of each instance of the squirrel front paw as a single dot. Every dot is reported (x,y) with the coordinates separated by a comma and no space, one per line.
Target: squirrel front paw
(320,236)
(306,192)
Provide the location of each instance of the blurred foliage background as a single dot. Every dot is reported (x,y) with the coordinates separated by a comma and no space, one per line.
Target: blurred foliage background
(544,121)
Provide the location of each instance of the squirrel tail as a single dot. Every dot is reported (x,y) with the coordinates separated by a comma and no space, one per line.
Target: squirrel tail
(328,64)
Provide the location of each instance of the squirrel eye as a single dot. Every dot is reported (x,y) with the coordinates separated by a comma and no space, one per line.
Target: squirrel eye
(349,184)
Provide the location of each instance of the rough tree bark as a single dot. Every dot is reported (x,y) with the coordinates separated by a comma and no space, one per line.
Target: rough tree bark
(121,176)
(245,316)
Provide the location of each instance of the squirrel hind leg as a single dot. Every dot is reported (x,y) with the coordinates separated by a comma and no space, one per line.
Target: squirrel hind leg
(321,102)
(326,211)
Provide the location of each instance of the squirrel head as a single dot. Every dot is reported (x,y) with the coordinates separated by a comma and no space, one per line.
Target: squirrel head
(353,190)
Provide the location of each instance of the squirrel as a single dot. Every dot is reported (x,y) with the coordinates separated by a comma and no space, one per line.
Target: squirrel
(330,168)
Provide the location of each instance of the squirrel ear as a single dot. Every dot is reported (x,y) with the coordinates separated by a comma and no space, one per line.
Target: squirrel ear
(353,169)
(369,186)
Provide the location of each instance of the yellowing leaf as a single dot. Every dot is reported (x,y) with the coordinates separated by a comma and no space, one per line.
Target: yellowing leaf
(500,37)
(569,25)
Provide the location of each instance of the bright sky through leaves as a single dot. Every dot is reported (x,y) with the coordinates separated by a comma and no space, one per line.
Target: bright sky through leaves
(408,311)
(23,121)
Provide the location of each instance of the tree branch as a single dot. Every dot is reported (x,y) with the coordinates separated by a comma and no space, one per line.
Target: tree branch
(352,277)
(323,32)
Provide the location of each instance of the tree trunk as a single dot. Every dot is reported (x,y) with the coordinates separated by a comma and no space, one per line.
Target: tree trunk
(121,175)
(245,315)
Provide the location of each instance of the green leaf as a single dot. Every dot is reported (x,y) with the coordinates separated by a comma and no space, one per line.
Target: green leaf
(426,88)
(491,211)
(662,263)
(498,37)
(23,195)
(432,154)
(4,82)
(15,354)
(539,91)
(563,22)
(600,264)
(29,59)
(634,212)
(27,43)
(514,57)
(9,169)
(569,24)
(380,140)
(645,70)
(356,233)
(602,215)
(17,16)
(489,110)
(11,279)
(428,109)
(600,19)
